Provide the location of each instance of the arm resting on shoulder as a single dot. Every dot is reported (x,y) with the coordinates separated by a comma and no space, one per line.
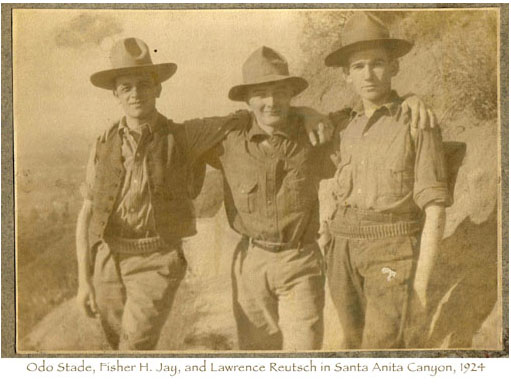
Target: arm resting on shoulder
(202,135)
(318,126)
(420,115)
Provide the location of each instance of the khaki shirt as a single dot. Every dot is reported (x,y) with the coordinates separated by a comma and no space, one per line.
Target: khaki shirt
(382,167)
(271,192)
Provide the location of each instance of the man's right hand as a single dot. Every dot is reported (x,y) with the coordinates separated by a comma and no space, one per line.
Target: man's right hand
(86,299)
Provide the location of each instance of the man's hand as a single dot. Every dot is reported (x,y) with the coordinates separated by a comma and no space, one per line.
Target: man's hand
(325,237)
(418,319)
(420,289)
(323,242)
(420,115)
(86,299)
(319,128)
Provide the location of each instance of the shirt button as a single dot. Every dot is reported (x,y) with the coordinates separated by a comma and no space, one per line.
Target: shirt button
(365,133)
(270,202)
(132,210)
(362,163)
(359,191)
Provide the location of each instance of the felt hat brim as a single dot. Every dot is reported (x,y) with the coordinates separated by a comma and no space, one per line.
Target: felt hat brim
(106,79)
(339,58)
(238,93)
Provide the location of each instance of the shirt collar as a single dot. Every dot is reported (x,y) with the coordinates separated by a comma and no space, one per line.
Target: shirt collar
(151,129)
(391,106)
(257,132)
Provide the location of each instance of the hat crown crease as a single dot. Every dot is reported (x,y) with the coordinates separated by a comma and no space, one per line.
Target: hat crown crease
(364,27)
(265,65)
(362,31)
(129,52)
(262,63)
(130,55)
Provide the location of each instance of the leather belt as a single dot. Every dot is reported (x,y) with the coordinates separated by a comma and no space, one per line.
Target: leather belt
(379,231)
(135,246)
(273,247)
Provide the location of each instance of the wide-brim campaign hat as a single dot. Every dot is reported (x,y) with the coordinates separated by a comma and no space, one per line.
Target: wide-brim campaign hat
(127,56)
(362,31)
(263,66)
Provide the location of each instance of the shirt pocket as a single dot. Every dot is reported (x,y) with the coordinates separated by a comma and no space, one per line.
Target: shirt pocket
(344,178)
(300,193)
(395,179)
(245,195)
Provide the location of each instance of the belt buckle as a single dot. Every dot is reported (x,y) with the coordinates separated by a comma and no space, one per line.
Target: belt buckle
(265,246)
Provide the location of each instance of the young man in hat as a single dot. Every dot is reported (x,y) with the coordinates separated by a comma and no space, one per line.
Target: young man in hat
(270,170)
(271,173)
(137,204)
(390,193)
(138,201)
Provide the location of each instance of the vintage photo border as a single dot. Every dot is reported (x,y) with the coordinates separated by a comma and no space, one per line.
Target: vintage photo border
(8,296)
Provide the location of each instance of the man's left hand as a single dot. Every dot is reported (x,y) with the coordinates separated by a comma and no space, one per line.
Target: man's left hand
(420,288)
(420,115)
(319,128)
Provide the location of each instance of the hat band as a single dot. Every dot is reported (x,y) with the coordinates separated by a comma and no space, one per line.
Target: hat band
(358,36)
(130,62)
(265,78)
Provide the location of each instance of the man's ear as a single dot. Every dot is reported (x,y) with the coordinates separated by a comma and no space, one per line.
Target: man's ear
(394,67)
(346,75)
(116,95)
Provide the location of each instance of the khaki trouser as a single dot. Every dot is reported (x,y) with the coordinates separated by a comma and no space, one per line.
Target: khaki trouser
(134,294)
(278,297)
(371,285)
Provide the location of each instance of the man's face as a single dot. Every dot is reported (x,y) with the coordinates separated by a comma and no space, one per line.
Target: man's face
(137,94)
(371,71)
(270,103)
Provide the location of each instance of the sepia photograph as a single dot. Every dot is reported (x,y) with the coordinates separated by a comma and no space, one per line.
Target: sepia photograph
(259,180)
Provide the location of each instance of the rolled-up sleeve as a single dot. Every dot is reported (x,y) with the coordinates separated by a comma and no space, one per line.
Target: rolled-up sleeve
(430,170)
